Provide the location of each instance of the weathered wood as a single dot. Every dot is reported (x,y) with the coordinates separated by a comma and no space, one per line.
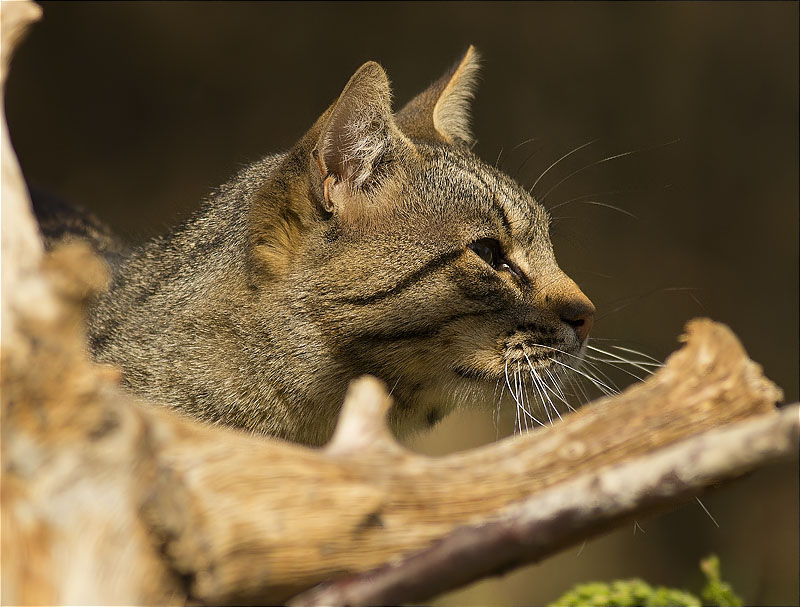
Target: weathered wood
(107,500)
(569,513)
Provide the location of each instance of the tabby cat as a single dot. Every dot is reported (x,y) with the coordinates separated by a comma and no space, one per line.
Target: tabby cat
(378,244)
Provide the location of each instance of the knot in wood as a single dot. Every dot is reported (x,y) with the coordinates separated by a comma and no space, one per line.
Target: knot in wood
(573,450)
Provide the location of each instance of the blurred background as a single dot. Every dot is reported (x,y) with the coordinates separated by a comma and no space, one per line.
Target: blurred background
(137,110)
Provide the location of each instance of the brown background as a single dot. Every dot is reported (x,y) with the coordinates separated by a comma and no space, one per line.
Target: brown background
(138,110)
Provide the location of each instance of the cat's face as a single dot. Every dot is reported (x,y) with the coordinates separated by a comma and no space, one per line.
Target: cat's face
(451,292)
(412,260)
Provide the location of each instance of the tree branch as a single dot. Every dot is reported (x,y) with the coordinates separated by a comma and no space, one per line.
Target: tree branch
(569,513)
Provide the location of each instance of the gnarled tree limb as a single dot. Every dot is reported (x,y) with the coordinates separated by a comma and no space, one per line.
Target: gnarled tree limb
(107,500)
(569,512)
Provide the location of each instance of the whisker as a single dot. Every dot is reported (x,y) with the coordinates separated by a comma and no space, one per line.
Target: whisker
(570,153)
(604,388)
(616,364)
(529,411)
(499,404)
(624,302)
(703,506)
(620,359)
(606,159)
(574,391)
(626,191)
(519,145)
(538,380)
(497,412)
(544,388)
(532,417)
(557,386)
(521,399)
(632,351)
(595,370)
(697,301)
(577,386)
(527,158)
(599,204)
(626,349)
(530,408)
(521,394)
(543,396)
(547,382)
(511,392)
(589,196)
(547,388)
(536,388)
(524,162)
(508,384)
(560,351)
(612,361)
(613,390)
(496,162)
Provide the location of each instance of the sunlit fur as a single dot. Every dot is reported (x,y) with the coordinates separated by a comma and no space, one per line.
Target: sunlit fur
(347,255)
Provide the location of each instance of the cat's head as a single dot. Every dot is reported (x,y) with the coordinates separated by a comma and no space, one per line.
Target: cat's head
(403,255)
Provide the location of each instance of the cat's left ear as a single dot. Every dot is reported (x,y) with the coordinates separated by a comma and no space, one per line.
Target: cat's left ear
(359,138)
(441,112)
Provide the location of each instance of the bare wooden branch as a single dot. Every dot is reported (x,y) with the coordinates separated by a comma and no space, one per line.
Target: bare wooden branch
(106,500)
(573,511)
(22,250)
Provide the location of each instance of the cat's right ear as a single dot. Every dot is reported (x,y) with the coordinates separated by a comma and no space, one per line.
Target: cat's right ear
(441,112)
(358,140)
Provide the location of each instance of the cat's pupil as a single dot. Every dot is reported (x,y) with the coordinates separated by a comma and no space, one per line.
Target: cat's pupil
(485,253)
(488,250)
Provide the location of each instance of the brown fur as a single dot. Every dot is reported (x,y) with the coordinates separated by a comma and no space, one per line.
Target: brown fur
(352,253)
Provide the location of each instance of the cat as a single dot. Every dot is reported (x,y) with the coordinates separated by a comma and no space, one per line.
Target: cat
(379,244)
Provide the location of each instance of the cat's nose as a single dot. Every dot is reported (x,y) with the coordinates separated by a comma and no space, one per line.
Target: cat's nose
(565,299)
(578,312)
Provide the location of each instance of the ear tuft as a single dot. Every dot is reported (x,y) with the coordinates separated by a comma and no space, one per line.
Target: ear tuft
(358,131)
(451,114)
(441,112)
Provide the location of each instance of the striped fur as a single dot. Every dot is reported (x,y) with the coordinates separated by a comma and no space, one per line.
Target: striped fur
(349,254)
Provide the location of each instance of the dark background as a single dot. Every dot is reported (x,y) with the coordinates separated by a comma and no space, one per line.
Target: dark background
(138,110)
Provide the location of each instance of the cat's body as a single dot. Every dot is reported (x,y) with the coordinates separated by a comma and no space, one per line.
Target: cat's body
(379,244)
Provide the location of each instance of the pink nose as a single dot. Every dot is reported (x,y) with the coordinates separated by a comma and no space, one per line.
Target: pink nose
(578,313)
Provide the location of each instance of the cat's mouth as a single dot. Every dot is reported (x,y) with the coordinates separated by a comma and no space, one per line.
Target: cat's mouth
(536,357)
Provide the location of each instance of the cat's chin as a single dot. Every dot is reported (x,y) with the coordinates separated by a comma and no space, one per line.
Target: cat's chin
(430,404)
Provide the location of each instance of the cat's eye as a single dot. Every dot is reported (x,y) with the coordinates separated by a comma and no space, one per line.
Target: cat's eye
(489,250)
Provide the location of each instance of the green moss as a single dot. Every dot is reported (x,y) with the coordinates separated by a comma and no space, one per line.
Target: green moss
(635,592)
(717,592)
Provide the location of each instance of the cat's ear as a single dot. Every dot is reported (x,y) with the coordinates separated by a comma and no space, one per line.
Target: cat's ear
(358,136)
(441,112)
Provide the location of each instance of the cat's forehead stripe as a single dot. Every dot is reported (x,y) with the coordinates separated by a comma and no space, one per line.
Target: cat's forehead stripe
(517,216)
(496,205)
